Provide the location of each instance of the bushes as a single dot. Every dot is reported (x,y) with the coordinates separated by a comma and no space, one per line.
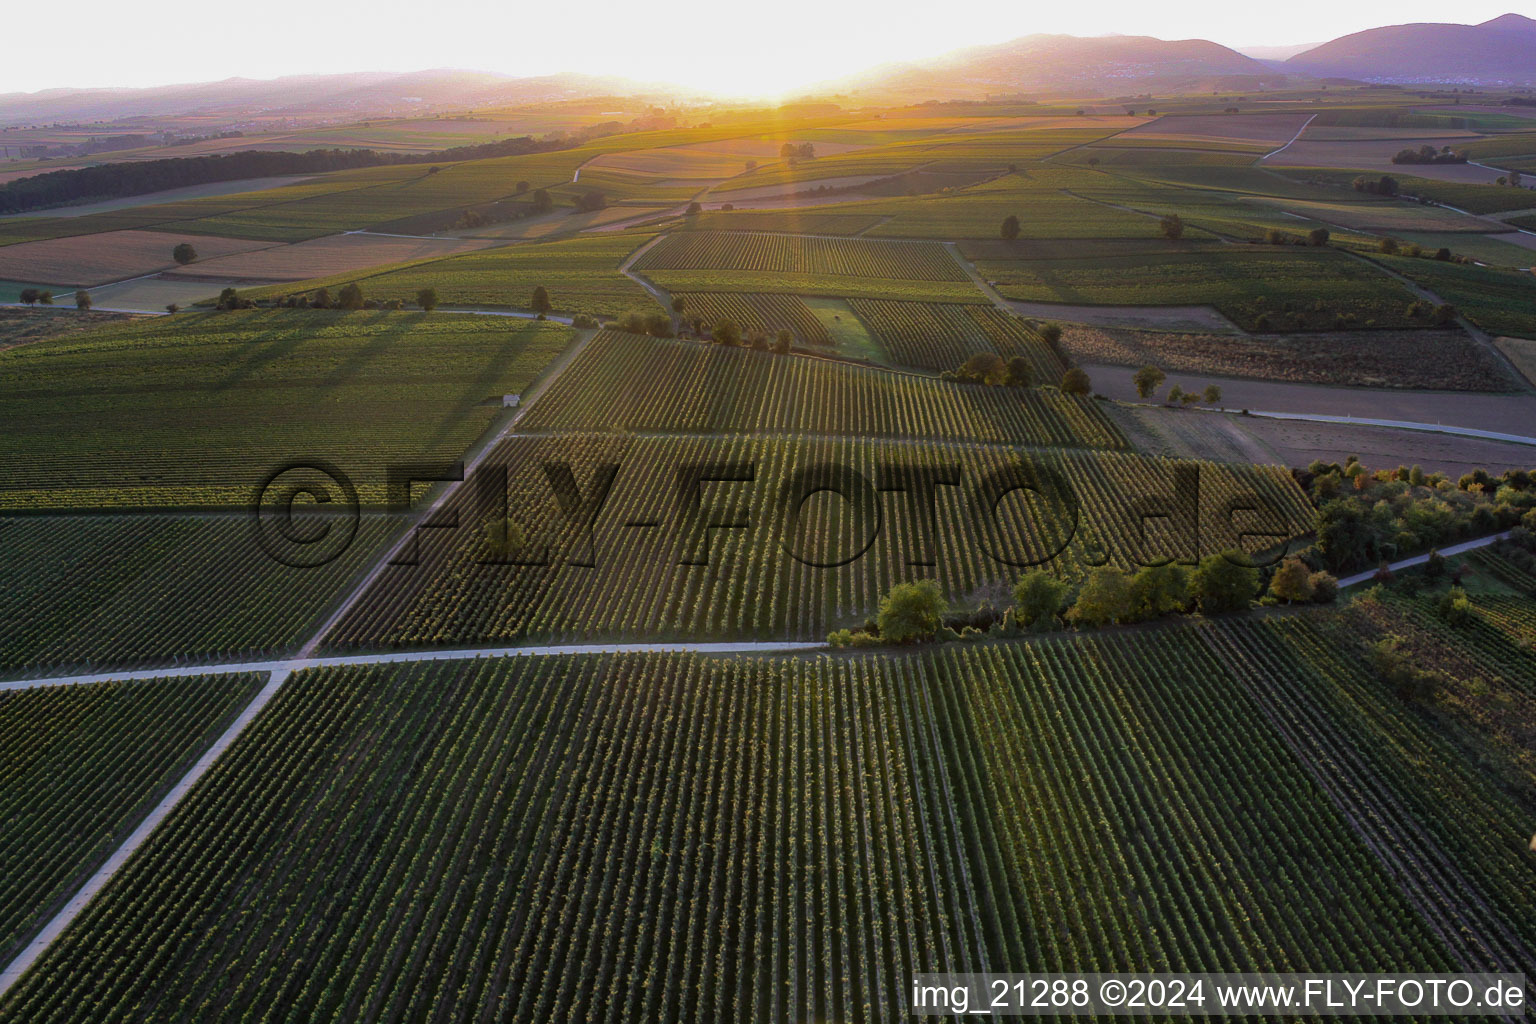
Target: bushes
(1224,583)
(911,612)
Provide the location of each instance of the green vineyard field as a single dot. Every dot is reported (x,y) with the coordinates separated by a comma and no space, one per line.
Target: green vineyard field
(79,767)
(783,575)
(628,382)
(91,592)
(678,838)
(798,254)
(196,410)
(938,337)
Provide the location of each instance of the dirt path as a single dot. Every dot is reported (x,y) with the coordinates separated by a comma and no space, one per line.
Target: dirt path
(1288,145)
(1409,563)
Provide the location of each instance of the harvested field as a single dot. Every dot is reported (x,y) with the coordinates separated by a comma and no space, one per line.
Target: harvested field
(1509,414)
(86,260)
(1521,352)
(1445,360)
(323,257)
(1376,155)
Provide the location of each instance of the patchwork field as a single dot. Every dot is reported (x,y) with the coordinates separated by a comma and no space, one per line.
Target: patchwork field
(198,410)
(322,257)
(89,260)
(1261,130)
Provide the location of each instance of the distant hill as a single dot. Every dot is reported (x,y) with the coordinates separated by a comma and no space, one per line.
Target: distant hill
(1275,53)
(1063,65)
(1497,52)
(364,94)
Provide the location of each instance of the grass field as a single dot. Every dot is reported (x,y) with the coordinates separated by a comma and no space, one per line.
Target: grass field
(23,326)
(684,838)
(1289,287)
(197,409)
(580,274)
(82,765)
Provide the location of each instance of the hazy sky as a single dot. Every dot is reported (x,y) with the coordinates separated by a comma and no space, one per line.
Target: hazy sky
(742,48)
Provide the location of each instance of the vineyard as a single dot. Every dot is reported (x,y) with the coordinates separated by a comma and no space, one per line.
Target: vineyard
(1455,840)
(642,566)
(938,337)
(88,592)
(767,313)
(82,764)
(676,838)
(196,410)
(627,382)
(798,254)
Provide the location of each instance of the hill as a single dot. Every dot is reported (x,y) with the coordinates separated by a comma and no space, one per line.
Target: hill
(1497,52)
(1064,65)
(361,93)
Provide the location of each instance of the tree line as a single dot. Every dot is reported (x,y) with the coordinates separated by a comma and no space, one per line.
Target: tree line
(114,181)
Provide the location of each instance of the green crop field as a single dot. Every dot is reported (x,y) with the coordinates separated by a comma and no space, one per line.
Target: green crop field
(90,592)
(785,575)
(627,382)
(197,409)
(674,837)
(82,765)
(1500,301)
(792,254)
(580,274)
(766,313)
(1292,288)
(939,337)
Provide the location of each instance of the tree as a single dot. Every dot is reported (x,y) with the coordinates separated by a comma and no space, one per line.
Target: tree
(350,297)
(503,537)
(695,208)
(1051,335)
(1010,228)
(1020,373)
(590,202)
(658,325)
(1173,227)
(1224,583)
(184,253)
(540,303)
(1175,395)
(1212,394)
(1038,598)
(782,342)
(679,304)
(1445,314)
(726,332)
(82,299)
(230,299)
(1148,379)
(1093,161)
(983,368)
(541,201)
(1105,598)
(1075,382)
(1292,581)
(173,308)
(1325,587)
(427,299)
(30,296)
(911,612)
(1318,236)
(1158,590)
(1388,246)
(521,187)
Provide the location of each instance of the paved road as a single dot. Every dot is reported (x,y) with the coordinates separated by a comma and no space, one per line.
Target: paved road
(1408,563)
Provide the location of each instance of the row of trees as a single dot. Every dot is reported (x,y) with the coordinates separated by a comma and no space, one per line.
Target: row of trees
(1149,378)
(1219,584)
(1429,155)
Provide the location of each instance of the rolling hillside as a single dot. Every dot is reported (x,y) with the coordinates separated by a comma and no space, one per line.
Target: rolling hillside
(1497,52)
